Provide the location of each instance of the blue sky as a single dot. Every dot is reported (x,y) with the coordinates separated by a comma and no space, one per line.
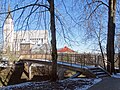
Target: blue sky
(71,14)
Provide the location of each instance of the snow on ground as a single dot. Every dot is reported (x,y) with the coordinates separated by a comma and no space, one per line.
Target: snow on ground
(117,75)
(85,87)
(68,84)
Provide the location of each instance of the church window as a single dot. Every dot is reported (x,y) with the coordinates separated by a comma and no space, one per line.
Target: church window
(42,40)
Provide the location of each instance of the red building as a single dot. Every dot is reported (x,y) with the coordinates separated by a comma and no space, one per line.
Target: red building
(66,50)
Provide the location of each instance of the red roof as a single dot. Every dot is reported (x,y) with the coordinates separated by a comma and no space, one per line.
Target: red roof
(65,49)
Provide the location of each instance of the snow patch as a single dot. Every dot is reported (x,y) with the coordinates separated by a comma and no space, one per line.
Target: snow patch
(68,84)
(85,87)
(116,75)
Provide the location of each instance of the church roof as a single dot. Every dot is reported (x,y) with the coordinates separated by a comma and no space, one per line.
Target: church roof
(9,13)
(65,49)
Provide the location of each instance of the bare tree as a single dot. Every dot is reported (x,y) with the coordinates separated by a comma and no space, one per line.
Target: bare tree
(95,27)
(111,34)
(93,6)
(53,41)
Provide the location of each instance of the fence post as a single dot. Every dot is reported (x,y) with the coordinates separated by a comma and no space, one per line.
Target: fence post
(67,58)
(70,57)
(75,58)
(98,60)
(95,61)
(61,57)
(81,59)
(84,59)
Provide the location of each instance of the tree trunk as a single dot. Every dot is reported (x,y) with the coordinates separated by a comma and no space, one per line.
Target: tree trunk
(103,58)
(110,35)
(119,60)
(53,41)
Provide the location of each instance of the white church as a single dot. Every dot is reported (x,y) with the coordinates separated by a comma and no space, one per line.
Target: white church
(14,39)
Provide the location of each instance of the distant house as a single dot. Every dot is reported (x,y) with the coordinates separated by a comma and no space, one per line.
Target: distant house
(41,49)
(25,47)
(66,50)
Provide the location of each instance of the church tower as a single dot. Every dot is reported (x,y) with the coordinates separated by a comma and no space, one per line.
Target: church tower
(8,32)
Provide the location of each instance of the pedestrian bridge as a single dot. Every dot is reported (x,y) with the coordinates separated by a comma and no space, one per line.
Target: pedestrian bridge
(89,71)
(91,67)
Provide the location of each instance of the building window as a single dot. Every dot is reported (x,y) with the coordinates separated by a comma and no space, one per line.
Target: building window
(41,40)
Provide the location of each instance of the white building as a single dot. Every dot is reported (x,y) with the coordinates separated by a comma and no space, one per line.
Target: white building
(13,39)
(36,37)
(8,32)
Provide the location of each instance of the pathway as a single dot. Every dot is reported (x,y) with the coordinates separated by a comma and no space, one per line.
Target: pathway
(107,84)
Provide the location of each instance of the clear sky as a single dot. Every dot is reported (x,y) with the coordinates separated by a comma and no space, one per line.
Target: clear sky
(70,24)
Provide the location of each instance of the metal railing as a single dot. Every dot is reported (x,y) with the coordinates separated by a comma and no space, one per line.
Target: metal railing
(81,59)
(84,59)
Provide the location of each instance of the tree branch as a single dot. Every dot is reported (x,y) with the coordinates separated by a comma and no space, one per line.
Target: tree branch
(98,1)
(46,6)
(93,11)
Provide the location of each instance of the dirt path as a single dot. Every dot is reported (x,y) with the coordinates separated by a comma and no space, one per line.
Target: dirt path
(107,84)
